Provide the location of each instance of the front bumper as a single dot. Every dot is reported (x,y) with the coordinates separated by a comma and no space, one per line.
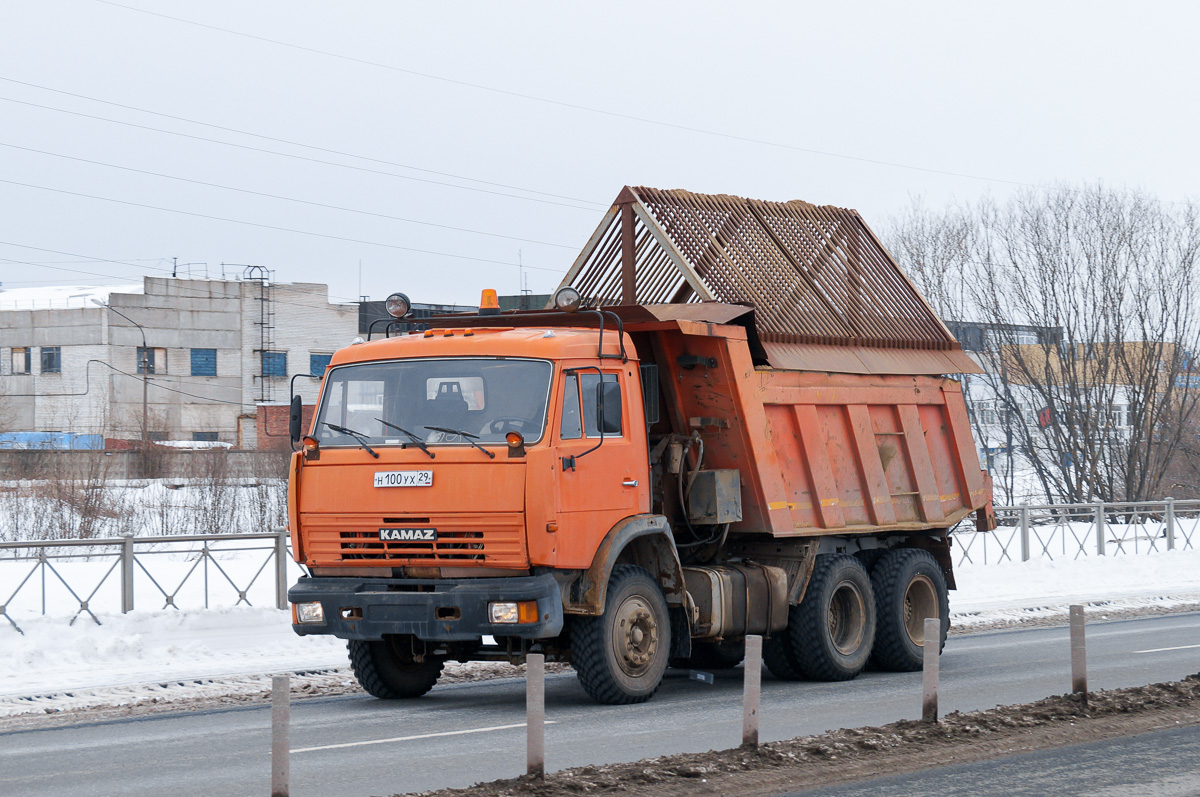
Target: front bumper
(441,610)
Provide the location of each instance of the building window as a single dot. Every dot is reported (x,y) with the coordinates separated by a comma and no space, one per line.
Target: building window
(204,362)
(20,360)
(51,359)
(151,360)
(204,437)
(317,363)
(274,363)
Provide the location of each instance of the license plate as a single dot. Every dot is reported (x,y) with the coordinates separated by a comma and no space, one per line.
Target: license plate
(408,535)
(404,478)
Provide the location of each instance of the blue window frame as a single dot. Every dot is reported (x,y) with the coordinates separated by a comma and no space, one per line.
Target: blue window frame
(204,362)
(317,363)
(274,363)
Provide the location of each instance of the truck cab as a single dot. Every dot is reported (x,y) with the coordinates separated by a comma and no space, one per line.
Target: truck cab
(457,482)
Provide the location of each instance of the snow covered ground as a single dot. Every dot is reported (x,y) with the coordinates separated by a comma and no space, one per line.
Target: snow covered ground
(168,655)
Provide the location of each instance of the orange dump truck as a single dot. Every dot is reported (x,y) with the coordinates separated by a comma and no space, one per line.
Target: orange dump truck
(733,420)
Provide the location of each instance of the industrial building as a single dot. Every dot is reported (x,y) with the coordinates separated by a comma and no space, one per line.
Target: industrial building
(177,360)
(192,360)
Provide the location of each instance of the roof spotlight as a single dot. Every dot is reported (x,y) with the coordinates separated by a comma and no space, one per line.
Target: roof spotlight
(398,305)
(567,299)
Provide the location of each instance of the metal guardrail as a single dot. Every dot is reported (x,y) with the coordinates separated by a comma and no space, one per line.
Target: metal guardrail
(1023,533)
(1072,531)
(197,556)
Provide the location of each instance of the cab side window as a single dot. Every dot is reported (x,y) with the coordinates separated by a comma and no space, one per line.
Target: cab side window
(572,423)
(591,422)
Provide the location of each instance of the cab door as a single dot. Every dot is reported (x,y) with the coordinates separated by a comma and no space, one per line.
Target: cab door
(602,474)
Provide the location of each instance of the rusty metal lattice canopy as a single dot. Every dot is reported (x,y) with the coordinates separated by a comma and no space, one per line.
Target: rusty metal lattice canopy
(818,278)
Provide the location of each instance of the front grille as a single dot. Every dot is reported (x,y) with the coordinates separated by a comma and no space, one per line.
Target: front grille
(461,546)
(493,540)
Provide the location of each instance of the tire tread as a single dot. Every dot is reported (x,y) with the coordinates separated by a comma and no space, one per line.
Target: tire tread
(808,624)
(890,651)
(375,682)
(587,650)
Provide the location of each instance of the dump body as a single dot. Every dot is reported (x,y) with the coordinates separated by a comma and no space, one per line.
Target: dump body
(823,453)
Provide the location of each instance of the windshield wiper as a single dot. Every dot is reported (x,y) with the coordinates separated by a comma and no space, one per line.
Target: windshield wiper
(358,436)
(416,441)
(470,438)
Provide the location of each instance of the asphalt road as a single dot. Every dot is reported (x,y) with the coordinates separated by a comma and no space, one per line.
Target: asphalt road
(1158,764)
(463,733)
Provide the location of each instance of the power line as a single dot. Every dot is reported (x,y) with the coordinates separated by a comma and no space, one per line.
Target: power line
(571,105)
(87,387)
(600,111)
(277,196)
(160,386)
(293,143)
(194,292)
(273,227)
(291,155)
(88,259)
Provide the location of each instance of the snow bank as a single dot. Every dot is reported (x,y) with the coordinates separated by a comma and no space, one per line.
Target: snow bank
(152,654)
(198,653)
(1020,590)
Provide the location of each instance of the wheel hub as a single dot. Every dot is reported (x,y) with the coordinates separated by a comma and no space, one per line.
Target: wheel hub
(920,602)
(635,636)
(847,617)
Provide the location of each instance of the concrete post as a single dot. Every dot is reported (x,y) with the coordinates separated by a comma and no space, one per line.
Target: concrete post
(126,573)
(535,715)
(1170,524)
(752,691)
(1078,652)
(1100,528)
(1024,532)
(280,741)
(929,700)
(281,556)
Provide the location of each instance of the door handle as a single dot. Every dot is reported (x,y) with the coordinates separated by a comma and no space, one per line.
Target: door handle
(630,483)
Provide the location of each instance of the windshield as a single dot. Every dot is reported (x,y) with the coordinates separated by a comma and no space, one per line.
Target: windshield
(478,399)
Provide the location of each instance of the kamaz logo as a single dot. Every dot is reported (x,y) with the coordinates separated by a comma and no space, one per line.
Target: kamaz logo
(408,535)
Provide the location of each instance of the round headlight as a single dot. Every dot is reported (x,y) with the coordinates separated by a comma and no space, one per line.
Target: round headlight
(398,305)
(567,299)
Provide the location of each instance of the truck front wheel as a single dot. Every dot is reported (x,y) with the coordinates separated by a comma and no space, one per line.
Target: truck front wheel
(622,654)
(829,635)
(909,587)
(389,668)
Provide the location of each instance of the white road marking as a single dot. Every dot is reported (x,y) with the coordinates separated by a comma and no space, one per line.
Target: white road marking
(417,736)
(1163,650)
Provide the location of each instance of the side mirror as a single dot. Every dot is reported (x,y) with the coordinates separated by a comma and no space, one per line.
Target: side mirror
(295,419)
(608,407)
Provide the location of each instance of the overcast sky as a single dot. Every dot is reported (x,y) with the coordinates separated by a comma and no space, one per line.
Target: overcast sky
(511,119)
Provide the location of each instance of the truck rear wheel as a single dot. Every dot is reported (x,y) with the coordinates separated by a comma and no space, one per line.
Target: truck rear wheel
(388,668)
(829,635)
(622,654)
(909,586)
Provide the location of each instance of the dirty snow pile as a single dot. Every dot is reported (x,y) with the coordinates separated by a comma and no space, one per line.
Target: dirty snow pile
(171,655)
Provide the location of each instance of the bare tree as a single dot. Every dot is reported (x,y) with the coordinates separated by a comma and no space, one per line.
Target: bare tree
(1099,400)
